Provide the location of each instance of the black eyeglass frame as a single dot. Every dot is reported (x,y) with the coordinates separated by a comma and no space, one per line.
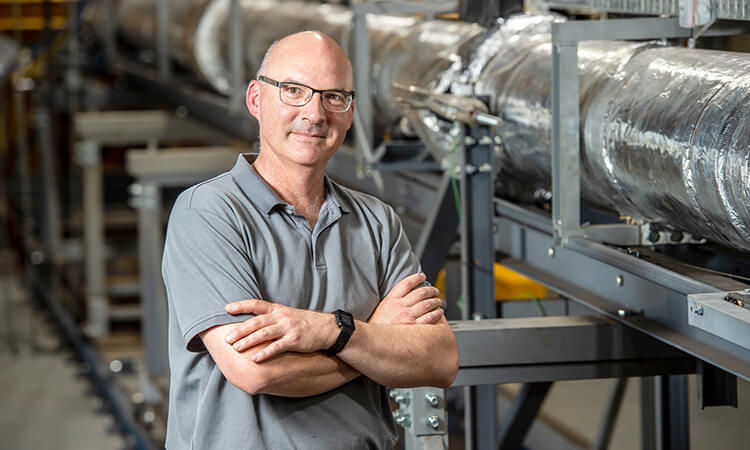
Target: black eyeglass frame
(280,84)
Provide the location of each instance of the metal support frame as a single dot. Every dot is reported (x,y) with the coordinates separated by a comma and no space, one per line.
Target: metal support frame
(114,128)
(566,189)
(361,63)
(607,426)
(421,412)
(97,305)
(478,276)
(522,415)
(440,230)
(154,170)
(236,48)
(716,387)
(162,40)
(665,412)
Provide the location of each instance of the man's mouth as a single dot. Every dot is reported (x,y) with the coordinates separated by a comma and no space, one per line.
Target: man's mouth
(308,136)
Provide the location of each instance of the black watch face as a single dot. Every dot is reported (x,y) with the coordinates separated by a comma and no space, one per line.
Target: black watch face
(345,319)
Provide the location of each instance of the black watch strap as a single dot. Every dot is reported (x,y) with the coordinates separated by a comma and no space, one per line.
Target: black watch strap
(345,321)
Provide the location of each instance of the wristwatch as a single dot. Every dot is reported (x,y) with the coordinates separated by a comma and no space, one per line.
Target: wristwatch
(345,321)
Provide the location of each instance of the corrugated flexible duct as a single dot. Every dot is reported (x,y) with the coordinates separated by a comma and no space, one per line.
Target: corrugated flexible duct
(663,129)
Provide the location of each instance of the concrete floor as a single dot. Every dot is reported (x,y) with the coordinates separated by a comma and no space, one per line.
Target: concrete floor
(578,406)
(44,404)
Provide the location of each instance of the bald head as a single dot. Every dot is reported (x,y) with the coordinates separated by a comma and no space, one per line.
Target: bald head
(313,49)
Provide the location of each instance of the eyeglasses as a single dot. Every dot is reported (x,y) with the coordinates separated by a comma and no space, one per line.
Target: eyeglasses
(297,94)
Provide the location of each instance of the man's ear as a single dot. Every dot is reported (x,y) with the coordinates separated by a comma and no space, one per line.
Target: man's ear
(252,98)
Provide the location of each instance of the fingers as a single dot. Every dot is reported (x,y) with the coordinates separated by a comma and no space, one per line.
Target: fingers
(431,317)
(274,348)
(249,326)
(253,306)
(425,306)
(406,285)
(262,335)
(418,295)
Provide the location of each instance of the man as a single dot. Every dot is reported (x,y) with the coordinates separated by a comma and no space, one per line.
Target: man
(257,261)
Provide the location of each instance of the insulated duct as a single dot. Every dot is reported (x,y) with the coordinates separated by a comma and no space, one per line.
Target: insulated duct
(664,133)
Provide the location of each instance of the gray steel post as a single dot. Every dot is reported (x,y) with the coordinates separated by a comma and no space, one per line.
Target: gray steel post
(162,39)
(52,228)
(361,63)
(110,46)
(566,189)
(236,38)
(665,413)
(153,295)
(93,236)
(477,254)
(521,416)
(604,434)
(21,85)
(439,231)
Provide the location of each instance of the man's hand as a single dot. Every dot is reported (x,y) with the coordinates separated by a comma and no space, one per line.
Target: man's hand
(407,303)
(290,329)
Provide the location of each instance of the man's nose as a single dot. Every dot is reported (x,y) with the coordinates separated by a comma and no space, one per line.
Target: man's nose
(314,110)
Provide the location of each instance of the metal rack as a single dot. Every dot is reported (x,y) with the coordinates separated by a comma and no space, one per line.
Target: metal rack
(647,311)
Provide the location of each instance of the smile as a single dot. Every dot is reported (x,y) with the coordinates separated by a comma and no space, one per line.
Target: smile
(308,136)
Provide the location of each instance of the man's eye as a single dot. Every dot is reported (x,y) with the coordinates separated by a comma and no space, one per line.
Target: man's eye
(294,91)
(335,99)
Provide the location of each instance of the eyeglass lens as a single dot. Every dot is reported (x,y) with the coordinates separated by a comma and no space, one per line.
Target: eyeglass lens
(298,95)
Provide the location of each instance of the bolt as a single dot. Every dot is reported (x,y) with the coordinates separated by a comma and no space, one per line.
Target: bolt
(551,252)
(434,422)
(676,236)
(486,167)
(401,398)
(432,399)
(36,257)
(149,417)
(468,140)
(403,420)
(470,169)
(620,280)
(393,393)
(115,366)
(699,310)
(181,112)
(485,140)
(622,313)
(498,140)
(653,236)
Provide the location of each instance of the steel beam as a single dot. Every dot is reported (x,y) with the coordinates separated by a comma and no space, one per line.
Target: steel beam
(439,232)
(137,127)
(478,276)
(522,415)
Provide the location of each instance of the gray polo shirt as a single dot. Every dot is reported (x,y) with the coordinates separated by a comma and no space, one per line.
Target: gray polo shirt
(231,238)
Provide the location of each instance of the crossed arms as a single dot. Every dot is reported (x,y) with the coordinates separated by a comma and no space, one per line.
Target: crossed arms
(405,343)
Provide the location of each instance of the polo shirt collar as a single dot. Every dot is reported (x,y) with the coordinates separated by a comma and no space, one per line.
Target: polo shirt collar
(263,196)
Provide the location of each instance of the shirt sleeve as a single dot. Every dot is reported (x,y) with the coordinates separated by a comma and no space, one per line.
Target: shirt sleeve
(205,266)
(397,258)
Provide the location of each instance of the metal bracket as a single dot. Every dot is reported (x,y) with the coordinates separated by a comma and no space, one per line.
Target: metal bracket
(717,314)
(422,414)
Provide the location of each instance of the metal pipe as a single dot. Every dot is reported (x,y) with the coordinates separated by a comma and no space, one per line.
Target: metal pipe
(636,159)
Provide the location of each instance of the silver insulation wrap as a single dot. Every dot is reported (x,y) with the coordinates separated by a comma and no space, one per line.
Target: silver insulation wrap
(665,131)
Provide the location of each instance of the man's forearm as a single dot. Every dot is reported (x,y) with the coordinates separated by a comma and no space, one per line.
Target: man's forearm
(404,355)
(294,374)
(288,374)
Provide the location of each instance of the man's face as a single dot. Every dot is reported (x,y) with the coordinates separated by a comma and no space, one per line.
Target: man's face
(308,135)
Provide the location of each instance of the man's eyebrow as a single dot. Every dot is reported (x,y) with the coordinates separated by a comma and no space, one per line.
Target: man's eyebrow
(289,80)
